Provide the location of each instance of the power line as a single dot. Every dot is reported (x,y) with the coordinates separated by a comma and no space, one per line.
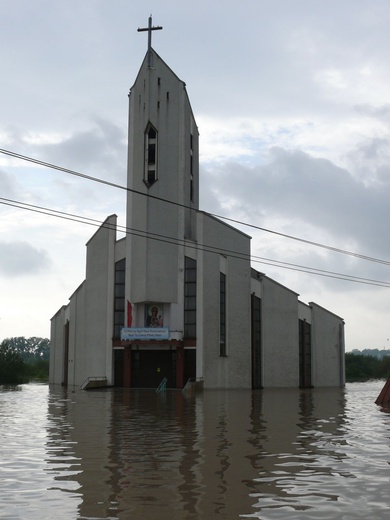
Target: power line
(190,245)
(246,224)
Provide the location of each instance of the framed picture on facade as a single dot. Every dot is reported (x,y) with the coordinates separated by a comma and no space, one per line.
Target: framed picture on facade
(154,315)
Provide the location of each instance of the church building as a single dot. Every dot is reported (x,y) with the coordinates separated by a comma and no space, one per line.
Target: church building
(177,299)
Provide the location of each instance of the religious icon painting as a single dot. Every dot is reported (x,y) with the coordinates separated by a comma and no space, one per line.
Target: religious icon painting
(154,315)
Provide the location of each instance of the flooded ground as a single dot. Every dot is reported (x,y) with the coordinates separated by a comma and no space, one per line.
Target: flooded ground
(128,454)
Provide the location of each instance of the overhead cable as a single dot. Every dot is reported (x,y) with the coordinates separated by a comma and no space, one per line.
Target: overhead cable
(222,217)
(193,245)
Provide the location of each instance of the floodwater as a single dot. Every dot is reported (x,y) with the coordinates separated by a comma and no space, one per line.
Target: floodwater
(128,454)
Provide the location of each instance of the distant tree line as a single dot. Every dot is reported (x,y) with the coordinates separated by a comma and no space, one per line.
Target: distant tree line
(375,352)
(362,367)
(23,359)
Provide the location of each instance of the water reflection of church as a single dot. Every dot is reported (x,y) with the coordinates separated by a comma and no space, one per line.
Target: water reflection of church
(177,297)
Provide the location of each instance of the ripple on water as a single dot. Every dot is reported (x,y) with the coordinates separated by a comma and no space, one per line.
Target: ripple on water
(121,454)
(341,472)
(25,470)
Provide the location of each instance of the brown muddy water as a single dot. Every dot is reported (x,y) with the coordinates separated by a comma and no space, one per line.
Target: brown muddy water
(128,454)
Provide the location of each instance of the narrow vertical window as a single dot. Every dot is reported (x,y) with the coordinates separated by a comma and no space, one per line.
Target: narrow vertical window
(304,354)
(119,297)
(256,342)
(222,315)
(191,168)
(189,298)
(150,173)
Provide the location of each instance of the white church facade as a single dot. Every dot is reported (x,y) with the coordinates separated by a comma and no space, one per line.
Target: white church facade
(177,297)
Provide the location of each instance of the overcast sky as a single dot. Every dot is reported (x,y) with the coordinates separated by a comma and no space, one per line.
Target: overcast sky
(292,101)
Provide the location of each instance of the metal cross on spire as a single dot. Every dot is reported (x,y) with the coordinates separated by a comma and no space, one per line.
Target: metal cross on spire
(150,29)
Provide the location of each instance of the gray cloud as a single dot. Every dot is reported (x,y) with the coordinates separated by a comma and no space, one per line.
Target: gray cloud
(21,258)
(8,185)
(300,189)
(101,149)
(370,160)
(97,151)
(377,112)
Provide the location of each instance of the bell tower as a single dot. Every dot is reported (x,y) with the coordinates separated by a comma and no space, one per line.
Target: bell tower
(162,179)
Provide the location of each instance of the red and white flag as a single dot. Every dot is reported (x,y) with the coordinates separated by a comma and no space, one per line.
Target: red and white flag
(129,314)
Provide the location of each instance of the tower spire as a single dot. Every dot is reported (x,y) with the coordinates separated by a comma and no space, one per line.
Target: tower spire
(150,28)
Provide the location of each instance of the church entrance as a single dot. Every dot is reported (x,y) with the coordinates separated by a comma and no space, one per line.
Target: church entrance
(149,367)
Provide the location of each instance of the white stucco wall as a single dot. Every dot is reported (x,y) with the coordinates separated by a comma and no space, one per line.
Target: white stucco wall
(304,312)
(234,370)
(99,302)
(76,355)
(327,347)
(280,335)
(90,315)
(56,362)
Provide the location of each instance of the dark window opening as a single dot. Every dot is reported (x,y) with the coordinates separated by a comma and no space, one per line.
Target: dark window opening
(191,172)
(222,315)
(152,153)
(150,174)
(152,134)
(119,297)
(256,342)
(305,354)
(189,298)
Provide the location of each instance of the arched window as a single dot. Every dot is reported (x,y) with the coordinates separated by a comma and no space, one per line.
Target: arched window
(150,171)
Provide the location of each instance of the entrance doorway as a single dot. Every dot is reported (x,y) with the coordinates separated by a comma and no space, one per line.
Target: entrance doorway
(149,367)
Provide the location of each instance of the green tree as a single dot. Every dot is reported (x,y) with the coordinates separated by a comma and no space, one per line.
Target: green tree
(31,349)
(385,366)
(12,367)
(360,367)
(34,356)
